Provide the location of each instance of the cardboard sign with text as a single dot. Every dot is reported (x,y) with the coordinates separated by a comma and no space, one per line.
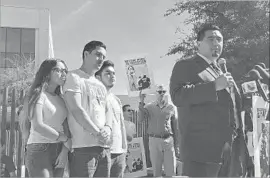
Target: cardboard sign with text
(135,159)
(260,136)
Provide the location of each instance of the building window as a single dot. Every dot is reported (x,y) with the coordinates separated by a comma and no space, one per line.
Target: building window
(3,36)
(13,40)
(16,45)
(28,41)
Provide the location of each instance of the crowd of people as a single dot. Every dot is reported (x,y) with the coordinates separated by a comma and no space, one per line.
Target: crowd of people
(73,117)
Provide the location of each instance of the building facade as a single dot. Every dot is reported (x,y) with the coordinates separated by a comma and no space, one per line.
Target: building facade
(25,33)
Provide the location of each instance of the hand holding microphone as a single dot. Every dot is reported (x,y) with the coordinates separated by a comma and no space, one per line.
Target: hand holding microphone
(225,80)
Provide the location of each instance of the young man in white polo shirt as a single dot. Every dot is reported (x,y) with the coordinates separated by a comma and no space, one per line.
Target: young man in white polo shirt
(89,122)
(106,75)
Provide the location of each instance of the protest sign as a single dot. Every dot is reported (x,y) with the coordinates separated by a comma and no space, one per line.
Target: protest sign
(135,159)
(138,76)
(260,136)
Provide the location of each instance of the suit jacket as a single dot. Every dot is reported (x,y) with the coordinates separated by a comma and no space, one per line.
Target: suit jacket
(206,119)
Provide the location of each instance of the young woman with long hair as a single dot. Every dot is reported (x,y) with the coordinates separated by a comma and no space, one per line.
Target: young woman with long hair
(47,144)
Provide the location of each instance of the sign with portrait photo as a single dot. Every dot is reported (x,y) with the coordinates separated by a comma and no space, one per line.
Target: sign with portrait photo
(135,159)
(138,76)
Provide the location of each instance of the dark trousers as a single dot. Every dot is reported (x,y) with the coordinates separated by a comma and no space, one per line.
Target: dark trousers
(196,169)
(118,165)
(90,162)
(40,159)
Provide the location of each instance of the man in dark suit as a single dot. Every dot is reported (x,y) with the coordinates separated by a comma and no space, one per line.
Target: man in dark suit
(207,112)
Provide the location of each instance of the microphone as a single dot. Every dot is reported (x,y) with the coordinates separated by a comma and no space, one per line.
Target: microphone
(262,65)
(222,65)
(255,75)
(265,76)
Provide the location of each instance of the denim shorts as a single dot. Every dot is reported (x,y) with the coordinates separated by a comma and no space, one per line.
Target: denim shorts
(40,159)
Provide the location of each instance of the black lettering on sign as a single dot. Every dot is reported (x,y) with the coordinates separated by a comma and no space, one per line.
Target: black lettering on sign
(133,145)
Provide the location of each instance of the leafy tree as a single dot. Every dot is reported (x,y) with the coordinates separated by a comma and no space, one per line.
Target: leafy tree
(19,76)
(244,24)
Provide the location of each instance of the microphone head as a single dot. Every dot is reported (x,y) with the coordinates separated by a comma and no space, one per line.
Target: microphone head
(258,67)
(264,73)
(254,74)
(222,64)
(261,70)
(262,65)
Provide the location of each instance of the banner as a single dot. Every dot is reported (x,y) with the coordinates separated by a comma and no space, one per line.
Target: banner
(135,159)
(138,77)
(260,136)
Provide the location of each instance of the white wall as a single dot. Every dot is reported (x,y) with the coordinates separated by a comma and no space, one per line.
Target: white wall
(22,17)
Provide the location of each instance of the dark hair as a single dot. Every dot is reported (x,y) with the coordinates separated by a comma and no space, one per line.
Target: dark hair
(105,64)
(125,106)
(41,80)
(92,46)
(206,27)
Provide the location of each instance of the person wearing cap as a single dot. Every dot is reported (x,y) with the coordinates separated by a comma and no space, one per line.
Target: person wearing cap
(207,111)
(162,131)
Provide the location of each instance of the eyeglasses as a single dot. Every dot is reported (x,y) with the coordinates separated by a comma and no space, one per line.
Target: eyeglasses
(60,70)
(161,91)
